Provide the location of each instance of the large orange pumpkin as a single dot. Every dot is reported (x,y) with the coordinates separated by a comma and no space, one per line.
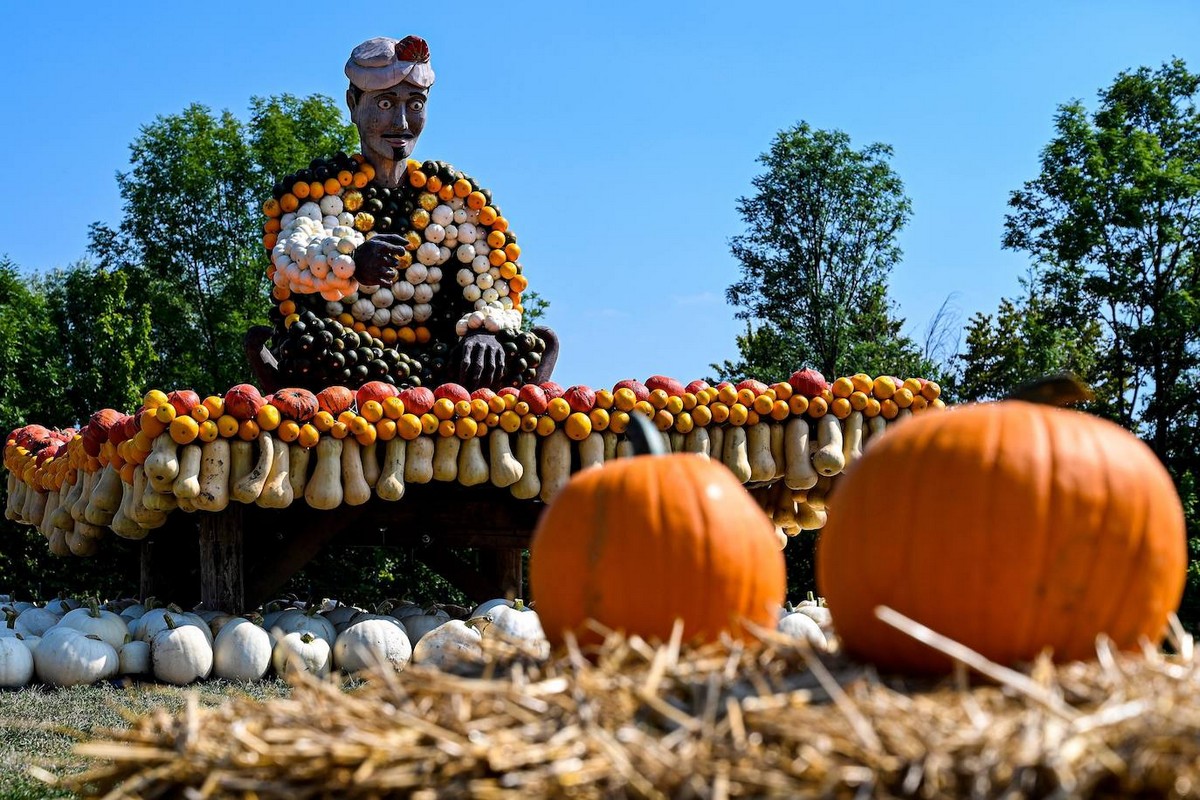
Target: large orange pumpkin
(645,540)
(1010,527)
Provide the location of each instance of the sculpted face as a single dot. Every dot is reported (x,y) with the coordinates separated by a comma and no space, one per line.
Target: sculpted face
(389,121)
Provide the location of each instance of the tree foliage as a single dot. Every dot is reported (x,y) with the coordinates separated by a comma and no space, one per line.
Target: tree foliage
(1114,218)
(190,237)
(819,244)
(1112,225)
(164,301)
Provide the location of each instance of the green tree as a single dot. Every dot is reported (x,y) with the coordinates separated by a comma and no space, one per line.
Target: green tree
(165,301)
(38,383)
(819,244)
(32,371)
(1112,225)
(1025,339)
(1114,221)
(190,237)
(104,338)
(535,310)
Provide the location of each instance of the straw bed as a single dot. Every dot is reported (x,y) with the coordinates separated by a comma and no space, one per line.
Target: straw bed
(768,719)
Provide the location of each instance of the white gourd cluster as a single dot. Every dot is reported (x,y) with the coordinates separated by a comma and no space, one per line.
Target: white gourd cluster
(454,240)
(314,253)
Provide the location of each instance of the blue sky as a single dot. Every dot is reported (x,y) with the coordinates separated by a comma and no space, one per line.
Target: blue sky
(617,136)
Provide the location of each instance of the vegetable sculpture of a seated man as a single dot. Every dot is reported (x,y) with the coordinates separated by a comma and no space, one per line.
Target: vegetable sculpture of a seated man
(387,268)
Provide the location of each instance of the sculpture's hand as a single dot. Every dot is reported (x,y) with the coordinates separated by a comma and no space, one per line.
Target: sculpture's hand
(482,362)
(375,260)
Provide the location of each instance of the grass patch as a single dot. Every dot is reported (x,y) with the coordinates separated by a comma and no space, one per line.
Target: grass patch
(39,725)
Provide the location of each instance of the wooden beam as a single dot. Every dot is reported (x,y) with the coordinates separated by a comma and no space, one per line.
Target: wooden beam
(222,583)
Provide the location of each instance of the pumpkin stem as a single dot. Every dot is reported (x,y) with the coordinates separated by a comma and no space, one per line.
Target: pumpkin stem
(307,638)
(170,621)
(10,617)
(1059,389)
(518,604)
(644,436)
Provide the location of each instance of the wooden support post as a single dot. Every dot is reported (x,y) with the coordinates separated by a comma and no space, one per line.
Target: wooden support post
(222,582)
(507,571)
(170,562)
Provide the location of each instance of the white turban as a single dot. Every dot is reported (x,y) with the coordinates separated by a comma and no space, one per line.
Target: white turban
(382,62)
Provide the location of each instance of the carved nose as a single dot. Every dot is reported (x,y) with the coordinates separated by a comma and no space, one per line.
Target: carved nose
(400,118)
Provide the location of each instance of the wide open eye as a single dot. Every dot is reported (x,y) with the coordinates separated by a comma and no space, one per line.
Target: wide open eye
(384,103)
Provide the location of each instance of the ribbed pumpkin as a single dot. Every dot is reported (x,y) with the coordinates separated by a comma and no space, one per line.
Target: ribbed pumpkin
(375,390)
(645,540)
(1009,527)
(296,404)
(335,399)
(244,401)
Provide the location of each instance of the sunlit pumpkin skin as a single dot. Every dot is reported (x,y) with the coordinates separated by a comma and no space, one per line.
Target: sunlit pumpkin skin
(183,401)
(672,387)
(639,389)
(648,539)
(808,382)
(296,404)
(95,432)
(1009,527)
(374,390)
(417,399)
(335,399)
(244,401)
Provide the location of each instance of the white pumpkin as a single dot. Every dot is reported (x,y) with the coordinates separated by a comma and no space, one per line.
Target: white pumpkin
(518,622)
(181,653)
(301,652)
(61,605)
(154,621)
(66,657)
(16,662)
(241,651)
(274,610)
(110,627)
(134,658)
(296,620)
(35,621)
(451,645)
(819,614)
(418,625)
(341,616)
(372,642)
(31,642)
(217,623)
(133,612)
(486,606)
(405,609)
(802,626)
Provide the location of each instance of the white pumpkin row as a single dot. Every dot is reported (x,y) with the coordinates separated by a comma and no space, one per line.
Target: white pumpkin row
(90,644)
